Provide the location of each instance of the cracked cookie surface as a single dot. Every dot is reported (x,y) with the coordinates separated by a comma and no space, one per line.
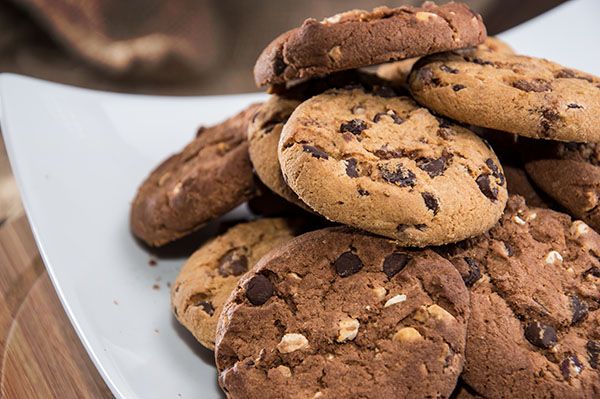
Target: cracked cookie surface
(209,177)
(339,313)
(570,174)
(518,94)
(534,284)
(361,38)
(388,166)
(209,276)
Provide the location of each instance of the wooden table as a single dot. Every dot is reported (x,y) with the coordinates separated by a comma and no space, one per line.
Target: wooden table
(40,353)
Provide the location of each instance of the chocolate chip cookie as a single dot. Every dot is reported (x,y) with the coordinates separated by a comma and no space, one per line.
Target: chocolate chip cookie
(534,329)
(208,178)
(212,272)
(337,313)
(386,165)
(397,72)
(360,38)
(263,134)
(523,95)
(570,174)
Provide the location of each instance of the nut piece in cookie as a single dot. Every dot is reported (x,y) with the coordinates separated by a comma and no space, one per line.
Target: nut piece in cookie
(334,322)
(211,273)
(209,177)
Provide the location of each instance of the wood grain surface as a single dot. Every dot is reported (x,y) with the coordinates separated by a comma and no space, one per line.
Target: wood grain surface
(40,353)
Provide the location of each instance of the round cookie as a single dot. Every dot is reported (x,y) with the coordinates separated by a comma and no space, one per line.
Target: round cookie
(570,174)
(209,177)
(361,38)
(337,313)
(263,135)
(386,165)
(534,329)
(397,72)
(508,92)
(212,272)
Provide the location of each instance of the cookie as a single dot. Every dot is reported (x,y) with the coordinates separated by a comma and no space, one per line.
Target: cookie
(397,72)
(212,272)
(534,329)
(263,135)
(523,95)
(570,174)
(361,38)
(386,165)
(337,313)
(209,177)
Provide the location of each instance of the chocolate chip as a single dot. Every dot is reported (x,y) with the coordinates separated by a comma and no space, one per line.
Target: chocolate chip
(207,307)
(391,113)
(354,126)
(495,171)
(362,192)
(351,167)
(548,118)
(540,335)
(509,248)
(593,350)
(474,272)
(458,87)
(233,263)
(425,74)
(400,176)
(347,264)
(315,152)
(592,271)
(431,202)
(394,263)
(580,310)
(420,226)
(259,289)
(279,65)
(534,85)
(385,153)
(570,366)
(448,69)
(433,167)
(483,181)
(571,74)
(573,105)
(479,61)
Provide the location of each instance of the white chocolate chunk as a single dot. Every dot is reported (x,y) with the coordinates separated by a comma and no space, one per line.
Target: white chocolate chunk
(407,334)
(292,342)
(554,258)
(394,300)
(348,329)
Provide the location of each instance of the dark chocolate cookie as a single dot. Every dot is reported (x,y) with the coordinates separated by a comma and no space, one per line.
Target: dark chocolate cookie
(208,178)
(534,330)
(514,93)
(336,314)
(361,38)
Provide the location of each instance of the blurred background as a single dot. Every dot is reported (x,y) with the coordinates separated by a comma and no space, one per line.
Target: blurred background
(180,47)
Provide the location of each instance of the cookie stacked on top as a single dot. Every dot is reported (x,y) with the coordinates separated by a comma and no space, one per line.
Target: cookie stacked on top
(439,279)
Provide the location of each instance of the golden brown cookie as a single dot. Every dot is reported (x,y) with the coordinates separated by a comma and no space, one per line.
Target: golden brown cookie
(211,273)
(386,165)
(209,177)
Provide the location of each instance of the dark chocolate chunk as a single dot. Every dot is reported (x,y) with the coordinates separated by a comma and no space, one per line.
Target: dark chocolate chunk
(259,289)
(233,263)
(571,74)
(479,61)
(534,85)
(391,113)
(354,126)
(593,350)
(474,272)
(580,310)
(570,366)
(385,153)
(207,307)
(347,264)
(433,167)
(362,192)
(351,167)
(426,75)
(394,263)
(592,271)
(279,65)
(574,106)
(400,176)
(458,87)
(448,69)
(483,181)
(315,152)
(431,202)
(540,335)
(548,119)
(495,171)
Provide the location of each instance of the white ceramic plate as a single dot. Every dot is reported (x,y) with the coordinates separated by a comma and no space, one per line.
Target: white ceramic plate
(79,156)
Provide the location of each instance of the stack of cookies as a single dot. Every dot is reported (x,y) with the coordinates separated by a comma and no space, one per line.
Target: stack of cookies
(398,253)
